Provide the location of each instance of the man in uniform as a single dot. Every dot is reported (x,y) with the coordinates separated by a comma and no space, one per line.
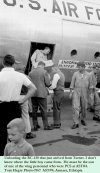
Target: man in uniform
(95,96)
(79,89)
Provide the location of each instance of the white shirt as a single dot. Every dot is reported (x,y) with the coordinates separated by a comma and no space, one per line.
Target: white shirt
(38,56)
(56,77)
(11,83)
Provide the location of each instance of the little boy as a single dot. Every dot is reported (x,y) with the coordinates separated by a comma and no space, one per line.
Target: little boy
(18,145)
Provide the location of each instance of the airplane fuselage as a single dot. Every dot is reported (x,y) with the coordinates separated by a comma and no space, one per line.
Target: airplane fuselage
(71,28)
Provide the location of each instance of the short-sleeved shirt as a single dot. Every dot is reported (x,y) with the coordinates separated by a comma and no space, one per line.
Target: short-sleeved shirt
(24,149)
(38,56)
(11,83)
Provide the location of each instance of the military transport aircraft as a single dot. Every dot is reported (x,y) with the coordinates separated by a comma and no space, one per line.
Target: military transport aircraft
(71,28)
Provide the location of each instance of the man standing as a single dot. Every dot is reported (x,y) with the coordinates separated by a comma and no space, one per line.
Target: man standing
(39,55)
(58,87)
(95,95)
(79,88)
(11,83)
(25,108)
(40,78)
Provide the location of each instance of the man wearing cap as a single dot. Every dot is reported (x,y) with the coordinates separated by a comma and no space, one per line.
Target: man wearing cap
(11,83)
(95,96)
(79,88)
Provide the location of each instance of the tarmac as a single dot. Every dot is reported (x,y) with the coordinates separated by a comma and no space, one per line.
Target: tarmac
(83,141)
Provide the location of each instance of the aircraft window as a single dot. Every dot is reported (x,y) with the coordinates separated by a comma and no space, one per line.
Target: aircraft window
(73,52)
(96,55)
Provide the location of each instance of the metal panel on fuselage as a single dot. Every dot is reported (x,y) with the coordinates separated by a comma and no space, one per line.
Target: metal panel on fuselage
(67,24)
(83,38)
(21,26)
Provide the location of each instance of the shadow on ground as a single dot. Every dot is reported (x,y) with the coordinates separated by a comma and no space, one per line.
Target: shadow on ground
(94,132)
(71,138)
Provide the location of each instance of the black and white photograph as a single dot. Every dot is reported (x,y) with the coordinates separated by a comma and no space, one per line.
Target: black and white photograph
(50,78)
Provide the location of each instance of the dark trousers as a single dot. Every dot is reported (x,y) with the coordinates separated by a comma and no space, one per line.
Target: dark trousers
(57,100)
(8,111)
(42,104)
